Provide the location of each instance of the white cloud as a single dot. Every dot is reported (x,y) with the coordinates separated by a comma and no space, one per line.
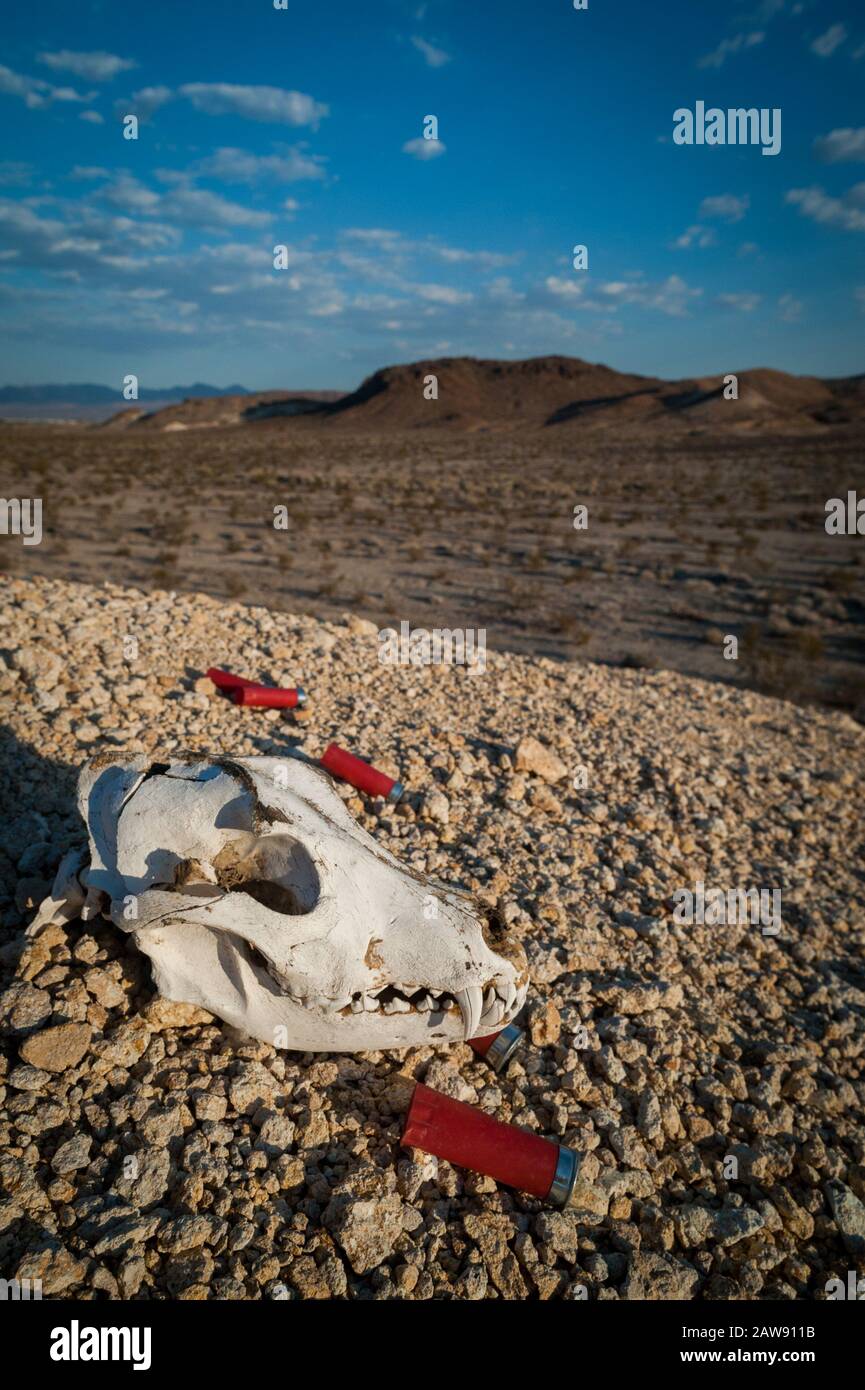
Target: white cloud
(239,166)
(848,212)
(726,47)
(424,149)
(563,288)
(376,236)
(35,92)
(825,44)
(841,145)
(197,207)
(726,206)
(271,104)
(789,308)
(128,193)
(743,303)
(92,117)
(144,102)
(93,67)
(670,296)
(695,236)
(442,294)
(435,57)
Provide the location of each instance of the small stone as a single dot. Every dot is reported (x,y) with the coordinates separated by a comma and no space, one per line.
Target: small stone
(171,1013)
(436,807)
(545,1024)
(367,1230)
(532,756)
(72,1155)
(849,1214)
(57,1049)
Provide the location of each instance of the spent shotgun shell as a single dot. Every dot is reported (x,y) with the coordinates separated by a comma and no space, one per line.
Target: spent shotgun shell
(269,697)
(465,1136)
(360,774)
(499,1048)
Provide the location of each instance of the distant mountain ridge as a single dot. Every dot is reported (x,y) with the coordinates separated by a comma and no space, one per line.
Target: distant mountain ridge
(89,393)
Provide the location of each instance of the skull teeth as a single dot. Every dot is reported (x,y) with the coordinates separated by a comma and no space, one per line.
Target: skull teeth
(479,1007)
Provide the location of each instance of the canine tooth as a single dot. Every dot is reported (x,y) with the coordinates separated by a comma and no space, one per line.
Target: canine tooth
(512,997)
(489,999)
(493,1016)
(471,1004)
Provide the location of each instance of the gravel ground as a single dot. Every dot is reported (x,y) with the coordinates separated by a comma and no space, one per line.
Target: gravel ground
(712,1076)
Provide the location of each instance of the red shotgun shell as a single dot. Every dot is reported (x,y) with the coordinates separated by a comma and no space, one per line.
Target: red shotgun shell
(360,774)
(225,680)
(269,696)
(466,1136)
(499,1048)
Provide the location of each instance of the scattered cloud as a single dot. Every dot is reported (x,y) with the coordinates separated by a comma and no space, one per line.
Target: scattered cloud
(564,289)
(271,104)
(198,207)
(726,207)
(442,294)
(89,171)
(144,102)
(435,57)
(841,145)
(789,308)
(742,303)
(847,212)
(696,236)
(289,165)
(825,44)
(671,296)
(92,67)
(727,47)
(92,117)
(424,149)
(36,93)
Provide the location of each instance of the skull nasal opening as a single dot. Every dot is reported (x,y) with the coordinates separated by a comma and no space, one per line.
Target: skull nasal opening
(277,872)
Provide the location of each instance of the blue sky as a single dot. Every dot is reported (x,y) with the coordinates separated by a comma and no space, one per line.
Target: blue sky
(303,127)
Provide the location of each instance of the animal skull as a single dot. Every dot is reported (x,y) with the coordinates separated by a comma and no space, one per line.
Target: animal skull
(258,897)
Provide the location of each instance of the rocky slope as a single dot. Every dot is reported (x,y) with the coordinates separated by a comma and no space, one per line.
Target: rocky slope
(146,1152)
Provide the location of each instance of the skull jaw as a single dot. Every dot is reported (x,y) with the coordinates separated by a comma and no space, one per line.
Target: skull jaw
(209,973)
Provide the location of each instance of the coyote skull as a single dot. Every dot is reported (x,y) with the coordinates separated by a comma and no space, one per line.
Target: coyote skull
(258,897)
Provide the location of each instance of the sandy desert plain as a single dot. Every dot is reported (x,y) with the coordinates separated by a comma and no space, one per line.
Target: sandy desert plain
(659,1050)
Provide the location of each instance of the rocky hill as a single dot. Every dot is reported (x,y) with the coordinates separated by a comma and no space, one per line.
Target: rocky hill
(556,393)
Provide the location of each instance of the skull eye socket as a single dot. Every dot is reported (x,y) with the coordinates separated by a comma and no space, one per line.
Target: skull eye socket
(277,872)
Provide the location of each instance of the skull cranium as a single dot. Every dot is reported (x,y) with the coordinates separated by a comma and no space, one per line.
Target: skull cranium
(258,897)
